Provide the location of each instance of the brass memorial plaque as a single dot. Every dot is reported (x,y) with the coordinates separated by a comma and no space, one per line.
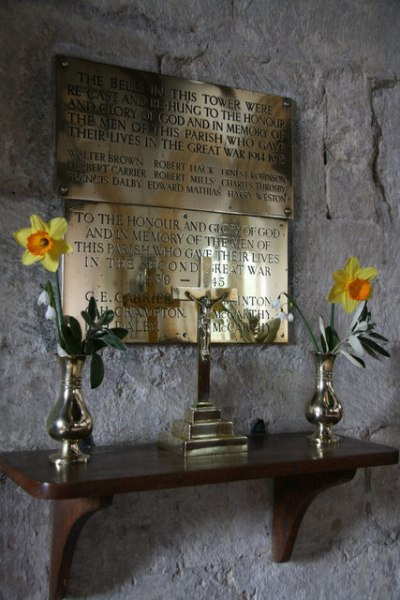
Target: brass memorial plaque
(140,261)
(133,137)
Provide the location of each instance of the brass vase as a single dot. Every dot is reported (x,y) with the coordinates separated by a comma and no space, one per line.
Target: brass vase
(70,422)
(324,409)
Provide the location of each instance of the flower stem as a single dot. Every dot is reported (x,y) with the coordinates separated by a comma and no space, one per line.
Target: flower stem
(59,311)
(332,320)
(306,323)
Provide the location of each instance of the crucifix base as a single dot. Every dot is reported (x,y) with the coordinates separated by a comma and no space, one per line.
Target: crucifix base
(202,431)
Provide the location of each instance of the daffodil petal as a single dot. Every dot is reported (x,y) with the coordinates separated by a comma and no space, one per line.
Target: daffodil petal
(349,304)
(50,262)
(29,259)
(21,236)
(352,266)
(61,247)
(57,228)
(37,224)
(335,293)
(366,273)
(340,277)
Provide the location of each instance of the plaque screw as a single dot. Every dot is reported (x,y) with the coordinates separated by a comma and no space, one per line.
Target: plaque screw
(286,103)
(63,189)
(288,212)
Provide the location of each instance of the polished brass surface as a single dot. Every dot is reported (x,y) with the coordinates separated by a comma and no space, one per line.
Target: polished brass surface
(201,447)
(204,432)
(127,136)
(140,262)
(324,409)
(70,421)
(205,429)
(208,413)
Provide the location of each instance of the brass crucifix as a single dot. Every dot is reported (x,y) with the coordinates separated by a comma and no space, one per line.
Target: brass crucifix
(205,297)
(203,344)
(202,431)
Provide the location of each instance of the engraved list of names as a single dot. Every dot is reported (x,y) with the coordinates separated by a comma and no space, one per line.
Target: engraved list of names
(135,137)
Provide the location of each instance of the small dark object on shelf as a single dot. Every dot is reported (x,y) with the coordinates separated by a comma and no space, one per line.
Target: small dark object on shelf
(258,428)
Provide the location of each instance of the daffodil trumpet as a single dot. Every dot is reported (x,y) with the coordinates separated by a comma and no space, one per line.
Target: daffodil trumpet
(352,289)
(44,244)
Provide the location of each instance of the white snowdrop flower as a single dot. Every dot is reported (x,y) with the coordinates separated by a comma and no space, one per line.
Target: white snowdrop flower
(50,313)
(283,316)
(276,304)
(44,298)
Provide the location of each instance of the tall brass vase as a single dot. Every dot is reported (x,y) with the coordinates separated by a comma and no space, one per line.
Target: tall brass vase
(70,422)
(324,409)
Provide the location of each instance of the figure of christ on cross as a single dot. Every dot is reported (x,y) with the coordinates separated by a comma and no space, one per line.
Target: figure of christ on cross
(204,321)
(205,297)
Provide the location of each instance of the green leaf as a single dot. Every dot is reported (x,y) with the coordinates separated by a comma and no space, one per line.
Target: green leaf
(74,326)
(357,314)
(91,310)
(355,360)
(377,336)
(96,371)
(374,347)
(72,345)
(119,332)
(86,317)
(97,344)
(324,342)
(356,345)
(332,338)
(89,346)
(106,317)
(113,341)
(368,349)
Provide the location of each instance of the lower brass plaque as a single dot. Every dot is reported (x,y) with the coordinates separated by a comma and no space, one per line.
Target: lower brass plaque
(145,262)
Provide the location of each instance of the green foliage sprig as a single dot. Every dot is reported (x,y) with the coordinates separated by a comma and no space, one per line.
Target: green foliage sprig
(97,336)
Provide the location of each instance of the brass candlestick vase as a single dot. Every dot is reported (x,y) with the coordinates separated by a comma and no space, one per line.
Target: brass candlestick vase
(70,422)
(324,409)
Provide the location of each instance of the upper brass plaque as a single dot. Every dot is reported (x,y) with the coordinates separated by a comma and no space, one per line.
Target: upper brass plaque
(135,137)
(142,261)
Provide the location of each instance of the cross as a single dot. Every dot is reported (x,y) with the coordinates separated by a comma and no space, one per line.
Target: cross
(205,296)
(151,291)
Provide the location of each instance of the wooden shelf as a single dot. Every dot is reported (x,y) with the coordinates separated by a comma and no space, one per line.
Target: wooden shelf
(300,472)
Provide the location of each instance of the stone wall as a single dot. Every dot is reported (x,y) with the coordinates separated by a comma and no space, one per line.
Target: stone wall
(339,62)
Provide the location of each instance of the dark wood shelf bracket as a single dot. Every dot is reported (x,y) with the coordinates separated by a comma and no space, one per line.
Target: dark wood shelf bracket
(299,472)
(292,497)
(68,518)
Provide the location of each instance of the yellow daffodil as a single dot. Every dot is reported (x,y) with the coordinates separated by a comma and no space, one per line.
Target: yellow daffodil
(43,242)
(352,284)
